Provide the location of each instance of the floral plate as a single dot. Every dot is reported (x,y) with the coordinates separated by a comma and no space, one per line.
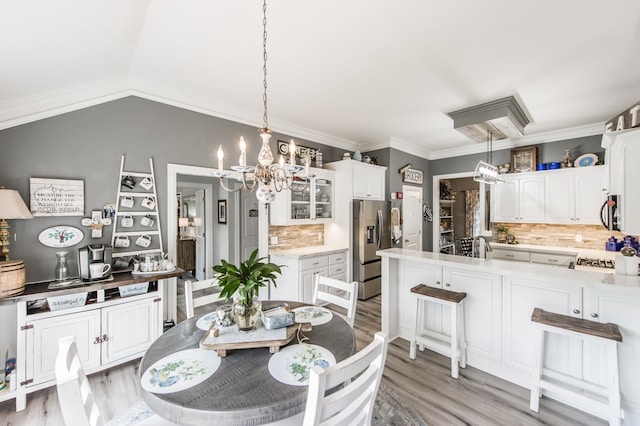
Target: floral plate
(205,322)
(313,314)
(292,364)
(180,371)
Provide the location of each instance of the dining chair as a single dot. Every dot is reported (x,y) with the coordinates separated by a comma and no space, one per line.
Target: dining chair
(204,297)
(340,288)
(360,376)
(77,403)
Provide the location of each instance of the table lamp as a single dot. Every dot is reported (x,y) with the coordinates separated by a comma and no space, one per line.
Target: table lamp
(183,222)
(11,207)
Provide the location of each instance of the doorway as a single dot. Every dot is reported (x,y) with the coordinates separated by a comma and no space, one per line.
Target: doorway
(460,214)
(412,217)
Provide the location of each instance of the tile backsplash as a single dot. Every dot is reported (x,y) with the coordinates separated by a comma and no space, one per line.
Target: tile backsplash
(296,236)
(576,236)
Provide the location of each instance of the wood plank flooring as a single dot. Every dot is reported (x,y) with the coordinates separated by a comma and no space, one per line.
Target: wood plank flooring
(476,398)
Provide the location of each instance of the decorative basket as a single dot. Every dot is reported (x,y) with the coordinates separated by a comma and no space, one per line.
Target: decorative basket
(12,278)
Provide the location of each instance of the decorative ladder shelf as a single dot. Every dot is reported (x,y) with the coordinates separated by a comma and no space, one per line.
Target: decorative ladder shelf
(144,234)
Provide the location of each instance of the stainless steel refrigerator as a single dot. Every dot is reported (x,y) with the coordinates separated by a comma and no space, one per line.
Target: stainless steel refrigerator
(371,232)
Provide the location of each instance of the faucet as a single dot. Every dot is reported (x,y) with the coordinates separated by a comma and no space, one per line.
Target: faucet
(487,247)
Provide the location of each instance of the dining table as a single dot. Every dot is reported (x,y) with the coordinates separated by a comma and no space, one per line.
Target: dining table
(242,389)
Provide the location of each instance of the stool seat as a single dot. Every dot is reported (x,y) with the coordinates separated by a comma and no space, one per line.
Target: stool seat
(579,325)
(607,335)
(454,345)
(438,293)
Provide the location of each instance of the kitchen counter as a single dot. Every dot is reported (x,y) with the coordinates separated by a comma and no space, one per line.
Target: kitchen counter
(600,254)
(610,282)
(501,295)
(302,252)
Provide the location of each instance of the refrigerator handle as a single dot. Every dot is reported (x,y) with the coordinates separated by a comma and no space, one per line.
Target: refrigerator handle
(379,226)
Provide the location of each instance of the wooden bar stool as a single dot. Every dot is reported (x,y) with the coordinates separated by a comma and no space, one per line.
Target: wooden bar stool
(559,384)
(455,345)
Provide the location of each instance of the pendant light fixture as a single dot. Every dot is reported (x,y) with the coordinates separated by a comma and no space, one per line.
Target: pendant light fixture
(485,171)
(267,177)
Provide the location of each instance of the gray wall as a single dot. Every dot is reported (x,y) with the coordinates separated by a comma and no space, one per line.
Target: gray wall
(87,144)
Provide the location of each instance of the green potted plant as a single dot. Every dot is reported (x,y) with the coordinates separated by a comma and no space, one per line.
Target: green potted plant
(242,284)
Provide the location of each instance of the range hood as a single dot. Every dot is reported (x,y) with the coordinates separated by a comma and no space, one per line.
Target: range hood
(504,118)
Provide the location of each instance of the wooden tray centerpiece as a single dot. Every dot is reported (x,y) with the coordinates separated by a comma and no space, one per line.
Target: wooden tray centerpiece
(223,339)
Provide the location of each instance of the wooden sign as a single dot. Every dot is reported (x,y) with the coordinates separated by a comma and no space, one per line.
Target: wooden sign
(301,151)
(627,119)
(413,176)
(57,197)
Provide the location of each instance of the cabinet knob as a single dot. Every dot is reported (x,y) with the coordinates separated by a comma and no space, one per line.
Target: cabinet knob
(576,311)
(105,338)
(447,285)
(97,341)
(438,282)
(594,315)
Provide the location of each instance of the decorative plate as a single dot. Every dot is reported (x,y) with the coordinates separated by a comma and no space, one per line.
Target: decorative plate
(180,371)
(586,160)
(60,236)
(292,364)
(205,322)
(313,314)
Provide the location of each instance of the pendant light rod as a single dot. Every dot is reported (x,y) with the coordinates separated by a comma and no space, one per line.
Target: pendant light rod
(265,119)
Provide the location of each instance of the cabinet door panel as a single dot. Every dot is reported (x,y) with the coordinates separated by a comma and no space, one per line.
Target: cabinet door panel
(130,329)
(504,201)
(307,281)
(589,195)
(412,275)
(531,199)
(625,312)
(559,198)
(521,297)
(482,306)
(42,343)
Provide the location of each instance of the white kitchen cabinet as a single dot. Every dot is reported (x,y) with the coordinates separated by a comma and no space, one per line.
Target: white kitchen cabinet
(624,311)
(298,275)
(482,313)
(519,199)
(574,195)
(366,181)
(521,296)
(109,330)
(307,203)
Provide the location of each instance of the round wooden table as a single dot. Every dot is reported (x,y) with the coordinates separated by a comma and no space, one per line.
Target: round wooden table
(241,391)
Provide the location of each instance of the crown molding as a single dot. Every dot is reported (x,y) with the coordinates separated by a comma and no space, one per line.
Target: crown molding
(61,101)
(534,139)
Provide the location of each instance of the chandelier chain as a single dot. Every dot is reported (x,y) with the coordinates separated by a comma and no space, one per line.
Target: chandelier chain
(265,120)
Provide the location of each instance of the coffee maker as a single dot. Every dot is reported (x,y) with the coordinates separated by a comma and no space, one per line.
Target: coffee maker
(93,253)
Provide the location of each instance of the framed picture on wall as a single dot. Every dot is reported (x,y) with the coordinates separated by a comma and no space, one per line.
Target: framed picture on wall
(222,211)
(523,159)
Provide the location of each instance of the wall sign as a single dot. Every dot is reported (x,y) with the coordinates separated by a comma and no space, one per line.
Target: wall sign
(413,176)
(301,151)
(57,197)
(627,119)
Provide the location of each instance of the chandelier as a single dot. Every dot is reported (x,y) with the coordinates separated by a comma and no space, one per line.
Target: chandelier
(267,178)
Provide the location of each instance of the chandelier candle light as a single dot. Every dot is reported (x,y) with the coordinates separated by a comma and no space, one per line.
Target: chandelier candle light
(269,178)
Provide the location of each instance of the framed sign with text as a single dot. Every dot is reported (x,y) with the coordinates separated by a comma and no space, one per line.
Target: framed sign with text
(56,197)
(413,176)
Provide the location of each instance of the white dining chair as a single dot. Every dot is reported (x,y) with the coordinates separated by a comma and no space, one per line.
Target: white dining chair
(200,293)
(338,293)
(360,376)
(77,403)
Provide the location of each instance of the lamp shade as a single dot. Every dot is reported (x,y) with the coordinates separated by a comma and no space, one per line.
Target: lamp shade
(12,206)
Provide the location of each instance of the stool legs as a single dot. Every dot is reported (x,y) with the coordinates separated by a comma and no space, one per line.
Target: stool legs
(417,330)
(538,351)
(613,384)
(463,336)
(455,341)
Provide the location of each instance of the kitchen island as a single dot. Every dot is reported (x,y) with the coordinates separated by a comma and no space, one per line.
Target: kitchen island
(501,296)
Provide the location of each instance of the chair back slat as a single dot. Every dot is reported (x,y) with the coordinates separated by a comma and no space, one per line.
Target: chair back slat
(322,292)
(360,376)
(78,406)
(199,293)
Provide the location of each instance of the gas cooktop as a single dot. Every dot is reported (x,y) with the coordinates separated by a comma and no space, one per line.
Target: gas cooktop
(595,263)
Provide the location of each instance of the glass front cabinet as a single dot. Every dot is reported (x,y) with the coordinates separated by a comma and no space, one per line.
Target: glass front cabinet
(306,203)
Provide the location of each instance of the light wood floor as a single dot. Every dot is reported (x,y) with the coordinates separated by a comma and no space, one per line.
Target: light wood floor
(476,398)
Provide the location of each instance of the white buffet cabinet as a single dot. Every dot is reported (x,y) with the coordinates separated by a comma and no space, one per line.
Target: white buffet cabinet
(109,329)
(501,296)
(300,267)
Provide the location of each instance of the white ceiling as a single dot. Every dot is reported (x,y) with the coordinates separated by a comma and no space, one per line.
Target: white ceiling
(355,74)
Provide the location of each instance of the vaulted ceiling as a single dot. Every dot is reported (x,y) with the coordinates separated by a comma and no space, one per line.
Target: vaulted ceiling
(356,73)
